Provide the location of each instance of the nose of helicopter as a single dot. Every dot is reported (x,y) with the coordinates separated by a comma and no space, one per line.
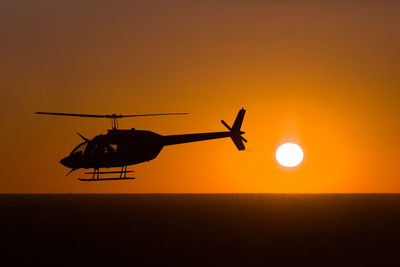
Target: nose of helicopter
(66,162)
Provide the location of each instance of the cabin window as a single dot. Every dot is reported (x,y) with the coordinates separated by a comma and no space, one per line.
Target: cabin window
(80,148)
(110,149)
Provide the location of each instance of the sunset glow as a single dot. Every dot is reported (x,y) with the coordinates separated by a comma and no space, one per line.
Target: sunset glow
(321,74)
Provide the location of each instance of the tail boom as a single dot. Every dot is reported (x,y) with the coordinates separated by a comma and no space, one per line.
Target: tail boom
(234,133)
(187,138)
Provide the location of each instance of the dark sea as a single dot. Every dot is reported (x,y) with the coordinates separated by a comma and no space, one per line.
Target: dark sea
(200,230)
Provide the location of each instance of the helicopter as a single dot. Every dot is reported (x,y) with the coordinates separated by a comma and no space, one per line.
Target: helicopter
(124,147)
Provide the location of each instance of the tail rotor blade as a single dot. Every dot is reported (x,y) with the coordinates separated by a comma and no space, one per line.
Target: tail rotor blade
(226,125)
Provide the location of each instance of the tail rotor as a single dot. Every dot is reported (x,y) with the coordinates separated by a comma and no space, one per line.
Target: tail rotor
(236,133)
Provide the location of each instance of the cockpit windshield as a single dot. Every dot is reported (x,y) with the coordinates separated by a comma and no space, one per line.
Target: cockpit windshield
(79,149)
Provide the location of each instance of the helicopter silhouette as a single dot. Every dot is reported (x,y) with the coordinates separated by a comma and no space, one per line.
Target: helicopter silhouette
(124,147)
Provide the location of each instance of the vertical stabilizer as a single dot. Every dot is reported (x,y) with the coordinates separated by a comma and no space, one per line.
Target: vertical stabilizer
(239,120)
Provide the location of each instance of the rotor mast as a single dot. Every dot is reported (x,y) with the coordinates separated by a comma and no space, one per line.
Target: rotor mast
(114,121)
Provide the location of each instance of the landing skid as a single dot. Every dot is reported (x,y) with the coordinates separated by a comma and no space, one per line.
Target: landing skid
(96,175)
(105,179)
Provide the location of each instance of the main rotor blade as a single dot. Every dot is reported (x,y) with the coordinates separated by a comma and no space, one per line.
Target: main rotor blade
(84,138)
(73,169)
(73,114)
(152,114)
(107,115)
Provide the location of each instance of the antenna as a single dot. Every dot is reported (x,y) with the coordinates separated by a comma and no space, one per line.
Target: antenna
(114,117)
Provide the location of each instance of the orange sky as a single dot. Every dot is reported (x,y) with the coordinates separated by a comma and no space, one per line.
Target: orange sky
(323,74)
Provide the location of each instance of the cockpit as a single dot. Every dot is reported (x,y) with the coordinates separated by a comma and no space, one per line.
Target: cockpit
(79,150)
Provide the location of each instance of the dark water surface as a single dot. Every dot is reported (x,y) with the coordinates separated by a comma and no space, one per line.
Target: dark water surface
(201,229)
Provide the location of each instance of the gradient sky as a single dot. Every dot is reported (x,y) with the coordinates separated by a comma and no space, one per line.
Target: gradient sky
(323,74)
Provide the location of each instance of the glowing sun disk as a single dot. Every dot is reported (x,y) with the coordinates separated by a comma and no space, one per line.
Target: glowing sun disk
(289,155)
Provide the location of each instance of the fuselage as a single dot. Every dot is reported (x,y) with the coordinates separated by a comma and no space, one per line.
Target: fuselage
(120,148)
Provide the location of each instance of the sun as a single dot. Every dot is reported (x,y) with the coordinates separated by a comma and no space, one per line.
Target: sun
(289,155)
